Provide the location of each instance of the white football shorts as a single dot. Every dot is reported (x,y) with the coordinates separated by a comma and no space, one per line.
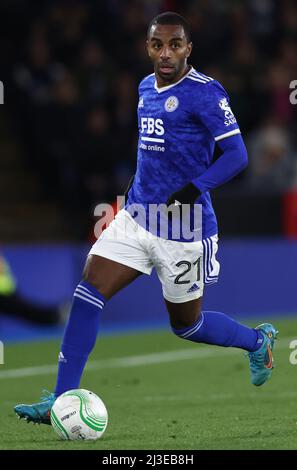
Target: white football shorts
(183,268)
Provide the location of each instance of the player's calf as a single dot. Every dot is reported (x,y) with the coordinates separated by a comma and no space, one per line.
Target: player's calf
(184,315)
(108,276)
(218,329)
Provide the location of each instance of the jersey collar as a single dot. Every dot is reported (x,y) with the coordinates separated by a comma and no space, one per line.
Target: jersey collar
(165,88)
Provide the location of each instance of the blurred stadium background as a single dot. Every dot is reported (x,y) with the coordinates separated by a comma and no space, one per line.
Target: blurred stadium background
(68,139)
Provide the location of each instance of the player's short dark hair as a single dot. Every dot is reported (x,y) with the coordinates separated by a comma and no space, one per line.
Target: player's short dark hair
(169,17)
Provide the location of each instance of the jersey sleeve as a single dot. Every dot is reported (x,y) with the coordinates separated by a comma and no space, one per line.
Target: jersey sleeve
(212,108)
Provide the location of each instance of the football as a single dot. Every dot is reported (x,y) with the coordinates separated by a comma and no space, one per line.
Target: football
(79,415)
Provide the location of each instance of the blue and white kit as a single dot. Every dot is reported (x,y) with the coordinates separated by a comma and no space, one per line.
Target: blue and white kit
(178,127)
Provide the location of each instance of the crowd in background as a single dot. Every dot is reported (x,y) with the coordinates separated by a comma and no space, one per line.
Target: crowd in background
(74,68)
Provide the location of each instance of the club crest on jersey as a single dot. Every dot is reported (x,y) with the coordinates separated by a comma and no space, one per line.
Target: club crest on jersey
(171,104)
(141,103)
(229,116)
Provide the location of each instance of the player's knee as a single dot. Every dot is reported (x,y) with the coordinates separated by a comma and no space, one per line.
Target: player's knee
(96,282)
(95,279)
(184,323)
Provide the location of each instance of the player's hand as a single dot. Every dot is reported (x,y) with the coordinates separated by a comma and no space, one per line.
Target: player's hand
(186,195)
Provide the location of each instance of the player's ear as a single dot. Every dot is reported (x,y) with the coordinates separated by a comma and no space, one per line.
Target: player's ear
(147,47)
(189,48)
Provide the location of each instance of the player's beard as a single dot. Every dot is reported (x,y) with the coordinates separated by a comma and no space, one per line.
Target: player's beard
(167,73)
(172,74)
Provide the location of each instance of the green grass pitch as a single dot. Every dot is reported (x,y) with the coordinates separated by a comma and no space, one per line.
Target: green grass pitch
(161,393)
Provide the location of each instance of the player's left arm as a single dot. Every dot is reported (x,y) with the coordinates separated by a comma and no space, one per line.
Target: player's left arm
(218,118)
(232,161)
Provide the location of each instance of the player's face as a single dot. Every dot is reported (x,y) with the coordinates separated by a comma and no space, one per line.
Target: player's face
(168,49)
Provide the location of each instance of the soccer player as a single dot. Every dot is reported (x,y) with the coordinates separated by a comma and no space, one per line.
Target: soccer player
(182,113)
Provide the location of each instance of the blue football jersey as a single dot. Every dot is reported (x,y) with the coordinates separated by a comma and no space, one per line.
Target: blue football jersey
(178,127)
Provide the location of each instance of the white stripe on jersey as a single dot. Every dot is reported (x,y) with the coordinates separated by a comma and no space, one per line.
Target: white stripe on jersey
(200,75)
(227,134)
(148,76)
(197,76)
(153,139)
(197,80)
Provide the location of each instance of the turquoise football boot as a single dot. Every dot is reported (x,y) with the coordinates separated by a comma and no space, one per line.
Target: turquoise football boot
(261,361)
(37,412)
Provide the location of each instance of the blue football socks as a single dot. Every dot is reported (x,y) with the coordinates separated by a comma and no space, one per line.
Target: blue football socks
(79,337)
(219,329)
(81,332)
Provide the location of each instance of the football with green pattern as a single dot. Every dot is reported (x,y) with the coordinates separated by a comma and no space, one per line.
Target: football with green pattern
(79,414)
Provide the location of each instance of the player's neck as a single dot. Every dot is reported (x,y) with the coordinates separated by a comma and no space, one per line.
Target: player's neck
(162,83)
